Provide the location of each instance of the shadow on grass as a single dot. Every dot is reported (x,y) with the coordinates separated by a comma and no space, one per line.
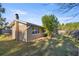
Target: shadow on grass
(50,47)
(13,47)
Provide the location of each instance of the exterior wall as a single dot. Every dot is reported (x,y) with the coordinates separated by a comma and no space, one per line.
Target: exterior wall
(31,36)
(37,35)
(24,33)
(61,31)
(13,32)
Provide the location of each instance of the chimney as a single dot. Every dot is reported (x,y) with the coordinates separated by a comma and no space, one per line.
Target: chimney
(17,27)
(17,16)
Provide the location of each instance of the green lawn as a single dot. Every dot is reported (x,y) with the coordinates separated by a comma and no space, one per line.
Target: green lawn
(63,46)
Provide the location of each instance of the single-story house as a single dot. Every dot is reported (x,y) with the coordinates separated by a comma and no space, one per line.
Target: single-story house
(5,31)
(75,34)
(62,31)
(26,31)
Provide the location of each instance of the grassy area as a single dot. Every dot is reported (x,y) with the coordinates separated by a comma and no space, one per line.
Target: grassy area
(64,46)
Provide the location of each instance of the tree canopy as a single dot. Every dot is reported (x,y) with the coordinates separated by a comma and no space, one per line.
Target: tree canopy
(3,22)
(50,23)
(69,26)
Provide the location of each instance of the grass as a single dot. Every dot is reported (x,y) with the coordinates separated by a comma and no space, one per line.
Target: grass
(63,46)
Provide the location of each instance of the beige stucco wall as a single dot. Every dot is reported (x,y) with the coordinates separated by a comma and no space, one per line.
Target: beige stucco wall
(13,32)
(24,33)
(61,31)
(31,36)
(37,35)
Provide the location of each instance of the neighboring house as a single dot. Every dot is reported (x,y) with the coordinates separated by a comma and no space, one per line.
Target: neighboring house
(6,31)
(27,31)
(62,31)
(75,34)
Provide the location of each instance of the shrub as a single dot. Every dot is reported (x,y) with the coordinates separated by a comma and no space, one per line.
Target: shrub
(45,34)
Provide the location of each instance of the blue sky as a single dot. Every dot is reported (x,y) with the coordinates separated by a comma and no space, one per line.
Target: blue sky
(33,12)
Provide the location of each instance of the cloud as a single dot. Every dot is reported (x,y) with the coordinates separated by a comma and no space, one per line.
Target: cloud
(65,19)
(20,12)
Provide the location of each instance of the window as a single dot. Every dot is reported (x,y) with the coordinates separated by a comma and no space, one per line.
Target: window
(35,30)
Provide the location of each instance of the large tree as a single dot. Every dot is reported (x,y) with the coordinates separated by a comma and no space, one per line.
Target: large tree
(2,20)
(50,23)
(2,10)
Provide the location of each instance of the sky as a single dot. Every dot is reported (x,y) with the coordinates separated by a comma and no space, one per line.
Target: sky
(33,12)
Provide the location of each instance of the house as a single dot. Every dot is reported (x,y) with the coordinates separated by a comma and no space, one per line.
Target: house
(62,31)
(26,31)
(5,31)
(75,34)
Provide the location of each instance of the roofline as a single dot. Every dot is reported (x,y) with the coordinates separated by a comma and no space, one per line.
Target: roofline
(23,22)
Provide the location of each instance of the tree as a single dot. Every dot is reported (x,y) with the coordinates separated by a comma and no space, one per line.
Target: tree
(50,23)
(69,26)
(2,20)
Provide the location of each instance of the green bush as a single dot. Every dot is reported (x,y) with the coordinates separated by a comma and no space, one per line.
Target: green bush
(45,34)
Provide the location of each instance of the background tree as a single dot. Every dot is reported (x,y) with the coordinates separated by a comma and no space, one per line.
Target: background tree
(2,20)
(69,26)
(50,23)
